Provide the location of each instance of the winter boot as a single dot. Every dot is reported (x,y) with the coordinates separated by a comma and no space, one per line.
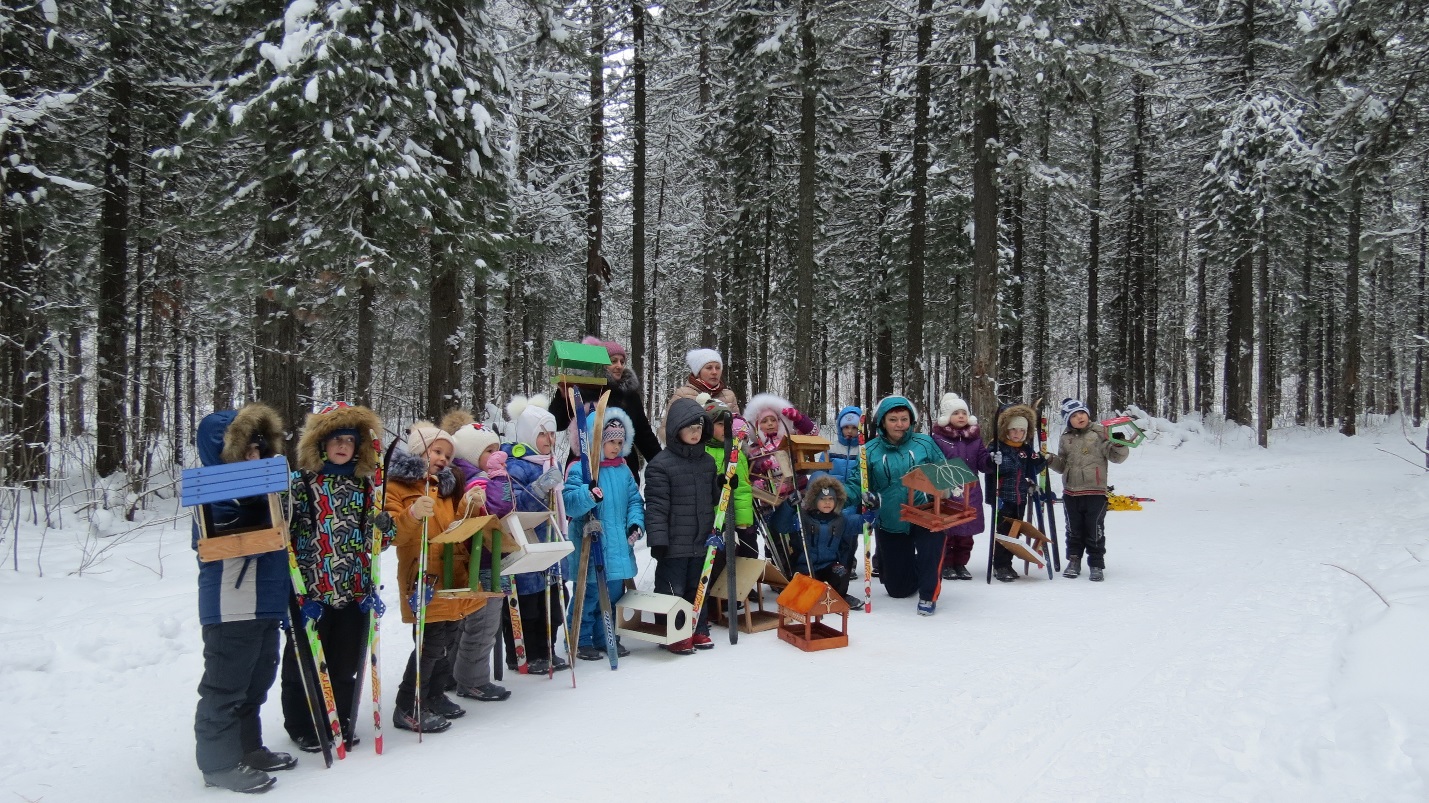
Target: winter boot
(486,693)
(702,641)
(266,760)
(308,743)
(961,572)
(430,722)
(1004,574)
(1074,566)
(443,707)
(620,650)
(950,572)
(682,647)
(558,663)
(589,653)
(240,778)
(1096,574)
(926,607)
(854,603)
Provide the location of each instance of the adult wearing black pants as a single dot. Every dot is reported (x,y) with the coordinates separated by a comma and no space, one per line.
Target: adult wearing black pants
(909,555)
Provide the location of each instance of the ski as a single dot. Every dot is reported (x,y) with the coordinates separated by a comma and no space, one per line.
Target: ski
(591,532)
(315,649)
(607,611)
(713,542)
(309,688)
(373,603)
(731,457)
(1048,498)
(867,528)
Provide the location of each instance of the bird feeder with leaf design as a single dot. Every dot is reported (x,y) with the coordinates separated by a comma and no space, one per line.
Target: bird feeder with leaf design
(948,486)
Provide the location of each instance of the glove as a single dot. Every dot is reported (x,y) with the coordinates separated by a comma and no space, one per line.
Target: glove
(597,494)
(997,458)
(839,570)
(659,552)
(715,540)
(384,521)
(870,516)
(870,501)
(634,535)
(496,465)
(475,499)
(547,482)
(720,481)
(790,413)
(423,508)
(734,482)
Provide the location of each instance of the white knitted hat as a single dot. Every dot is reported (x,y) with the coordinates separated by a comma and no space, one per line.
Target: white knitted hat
(422,435)
(699,358)
(471,440)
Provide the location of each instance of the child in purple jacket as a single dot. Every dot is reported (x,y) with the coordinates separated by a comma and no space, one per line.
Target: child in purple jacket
(957,434)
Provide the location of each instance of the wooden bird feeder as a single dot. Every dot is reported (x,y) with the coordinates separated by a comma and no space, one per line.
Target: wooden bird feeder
(481,531)
(530,554)
(749,574)
(579,364)
(1125,431)
(807,452)
(669,617)
(950,485)
(773,487)
(803,604)
(203,486)
(1035,548)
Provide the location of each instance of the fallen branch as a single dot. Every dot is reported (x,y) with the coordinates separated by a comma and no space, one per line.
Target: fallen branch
(1402,457)
(1362,580)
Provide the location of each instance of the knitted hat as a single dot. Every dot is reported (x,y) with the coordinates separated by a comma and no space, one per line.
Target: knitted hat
(699,358)
(471,440)
(950,403)
(1070,406)
(850,417)
(612,348)
(614,431)
(422,435)
(530,417)
(1017,422)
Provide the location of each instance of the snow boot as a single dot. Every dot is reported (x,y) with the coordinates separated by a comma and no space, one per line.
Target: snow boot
(240,778)
(486,693)
(589,653)
(1096,574)
(702,641)
(620,650)
(682,647)
(558,663)
(1004,574)
(950,572)
(443,707)
(961,572)
(266,760)
(430,723)
(854,603)
(926,607)
(308,743)
(1074,567)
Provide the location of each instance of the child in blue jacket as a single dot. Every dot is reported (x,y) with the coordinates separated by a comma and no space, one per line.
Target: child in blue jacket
(616,502)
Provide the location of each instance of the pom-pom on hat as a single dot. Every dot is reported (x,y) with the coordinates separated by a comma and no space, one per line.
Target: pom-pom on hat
(699,358)
(422,435)
(949,403)
(1071,406)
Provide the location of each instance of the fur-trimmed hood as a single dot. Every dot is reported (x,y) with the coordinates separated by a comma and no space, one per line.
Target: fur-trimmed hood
(1012,411)
(951,433)
(811,494)
(255,418)
(319,426)
(407,467)
(612,413)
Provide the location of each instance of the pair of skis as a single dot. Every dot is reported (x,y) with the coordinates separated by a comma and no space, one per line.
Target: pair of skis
(592,551)
(713,542)
(867,528)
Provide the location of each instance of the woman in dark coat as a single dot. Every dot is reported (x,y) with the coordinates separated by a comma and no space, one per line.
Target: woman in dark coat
(624,388)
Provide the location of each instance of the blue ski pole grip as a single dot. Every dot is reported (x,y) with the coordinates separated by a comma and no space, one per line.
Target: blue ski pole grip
(374,604)
(715,541)
(312,611)
(422,595)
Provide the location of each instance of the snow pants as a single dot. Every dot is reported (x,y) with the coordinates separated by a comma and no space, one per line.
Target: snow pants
(438,646)
(592,630)
(240,661)
(343,633)
(1086,528)
(472,667)
(960,550)
(680,577)
(837,582)
(910,562)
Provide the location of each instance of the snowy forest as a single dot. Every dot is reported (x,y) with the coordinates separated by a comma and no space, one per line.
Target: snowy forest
(1203,208)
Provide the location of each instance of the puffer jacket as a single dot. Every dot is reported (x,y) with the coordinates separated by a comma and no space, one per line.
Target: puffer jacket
(406,480)
(1020,462)
(829,538)
(254,586)
(843,452)
(741,499)
(889,461)
(966,445)
(620,508)
(680,486)
(1082,457)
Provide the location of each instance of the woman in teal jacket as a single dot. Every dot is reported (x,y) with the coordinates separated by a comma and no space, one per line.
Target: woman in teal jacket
(622,520)
(909,555)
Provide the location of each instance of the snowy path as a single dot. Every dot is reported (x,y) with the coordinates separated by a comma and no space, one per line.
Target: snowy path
(1219,661)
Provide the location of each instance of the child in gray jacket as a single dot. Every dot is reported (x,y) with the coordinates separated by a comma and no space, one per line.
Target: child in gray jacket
(1083,453)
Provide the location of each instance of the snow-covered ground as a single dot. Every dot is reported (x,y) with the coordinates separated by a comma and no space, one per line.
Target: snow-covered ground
(1222,659)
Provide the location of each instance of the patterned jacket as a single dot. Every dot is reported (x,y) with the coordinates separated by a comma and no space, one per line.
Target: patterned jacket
(331,525)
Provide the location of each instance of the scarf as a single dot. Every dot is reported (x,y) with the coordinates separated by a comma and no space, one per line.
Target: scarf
(713,390)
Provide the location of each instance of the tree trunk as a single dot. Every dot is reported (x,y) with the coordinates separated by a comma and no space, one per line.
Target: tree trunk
(985,311)
(882,352)
(1308,315)
(1350,377)
(111,354)
(1421,335)
(1041,302)
(637,199)
(1265,410)
(277,362)
(708,200)
(913,363)
(803,371)
(1094,254)
(595,269)
(222,373)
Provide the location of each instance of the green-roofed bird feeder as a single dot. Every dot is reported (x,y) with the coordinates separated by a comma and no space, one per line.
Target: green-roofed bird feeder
(1123,430)
(948,487)
(579,364)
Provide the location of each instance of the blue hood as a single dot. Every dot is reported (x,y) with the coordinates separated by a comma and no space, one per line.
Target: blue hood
(839,422)
(210,436)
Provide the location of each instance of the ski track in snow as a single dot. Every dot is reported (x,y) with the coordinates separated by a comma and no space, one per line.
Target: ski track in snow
(1220,660)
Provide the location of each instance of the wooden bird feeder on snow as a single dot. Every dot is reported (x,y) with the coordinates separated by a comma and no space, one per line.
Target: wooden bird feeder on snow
(802,606)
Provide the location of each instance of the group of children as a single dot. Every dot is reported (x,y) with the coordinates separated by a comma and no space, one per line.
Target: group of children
(438,475)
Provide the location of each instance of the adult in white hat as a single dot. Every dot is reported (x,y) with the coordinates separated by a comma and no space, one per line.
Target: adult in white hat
(706,376)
